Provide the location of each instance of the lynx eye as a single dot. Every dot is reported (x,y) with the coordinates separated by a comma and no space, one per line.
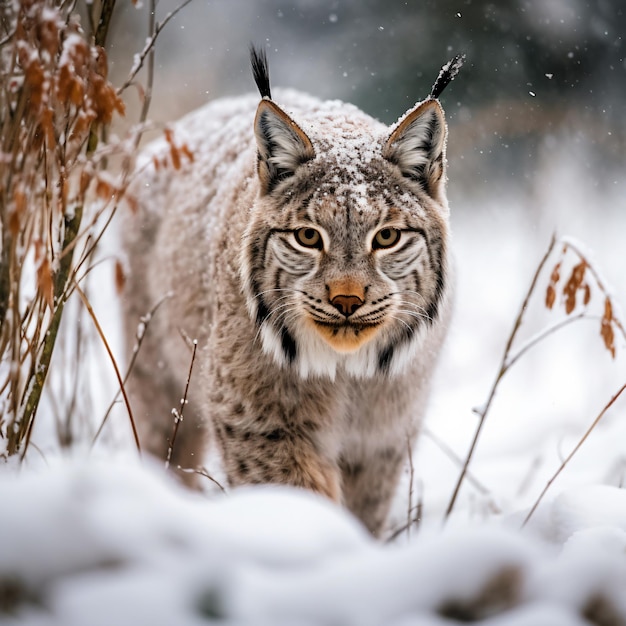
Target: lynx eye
(309,238)
(386,238)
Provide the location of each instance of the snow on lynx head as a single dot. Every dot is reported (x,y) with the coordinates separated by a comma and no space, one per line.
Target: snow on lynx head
(344,263)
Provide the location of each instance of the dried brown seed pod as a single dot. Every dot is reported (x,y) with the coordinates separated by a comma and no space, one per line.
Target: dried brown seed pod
(606,327)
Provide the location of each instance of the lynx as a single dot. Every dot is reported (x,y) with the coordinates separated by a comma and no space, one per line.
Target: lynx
(305,248)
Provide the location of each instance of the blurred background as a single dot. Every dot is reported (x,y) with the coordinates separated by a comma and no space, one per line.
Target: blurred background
(536,70)
(537,142)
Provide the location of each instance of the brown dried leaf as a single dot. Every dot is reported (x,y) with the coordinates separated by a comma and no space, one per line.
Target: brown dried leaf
(47,32)
(187,152)
(19,208)
(85,180)
(45,282)
(64,84)
(81,127)
(606,327)
(102,62)
(14,223)
(572,285)
(65,190)
(34,78)
(104,189)
(578,274)
(556,275)
(174,150)
(19,197)
(46,122)
(608,336)
(608,310)
(132,202)
(103,99)
(77,92)
(120,277)
(175,154)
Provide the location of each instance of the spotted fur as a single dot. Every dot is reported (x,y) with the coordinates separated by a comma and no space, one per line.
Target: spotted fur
(306,248)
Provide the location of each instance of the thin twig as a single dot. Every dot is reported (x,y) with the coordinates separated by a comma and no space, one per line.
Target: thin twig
(102,28)
(451,454)
(501,372)
(90,310)
(7,38)
(155,31)
(544,333)
(145,321)
(569,457)
(415,518)
(203,472)
(178,415)
(147,96)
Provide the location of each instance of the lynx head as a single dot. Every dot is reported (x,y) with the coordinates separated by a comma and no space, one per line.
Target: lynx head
(344,262)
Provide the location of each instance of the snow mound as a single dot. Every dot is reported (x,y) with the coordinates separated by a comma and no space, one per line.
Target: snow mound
(91,544)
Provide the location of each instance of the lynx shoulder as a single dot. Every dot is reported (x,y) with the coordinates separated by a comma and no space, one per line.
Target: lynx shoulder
(305,246)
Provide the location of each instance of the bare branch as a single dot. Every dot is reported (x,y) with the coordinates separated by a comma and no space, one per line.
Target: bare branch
(102,28)
(178,415)
(452,455)
(569,457)
(87,304)
(502,371)
(155,31)
(144,321)
(203,472)
(415,518)
(543,334)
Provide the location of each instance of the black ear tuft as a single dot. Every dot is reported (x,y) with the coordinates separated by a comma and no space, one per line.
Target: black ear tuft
(447,74)
(260,71)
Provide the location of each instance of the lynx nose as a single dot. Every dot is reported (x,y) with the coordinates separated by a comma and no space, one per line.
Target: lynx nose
(346,305)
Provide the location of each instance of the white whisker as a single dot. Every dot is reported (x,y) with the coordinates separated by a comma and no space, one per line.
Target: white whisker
(398,319)
(262,293)
(415,315)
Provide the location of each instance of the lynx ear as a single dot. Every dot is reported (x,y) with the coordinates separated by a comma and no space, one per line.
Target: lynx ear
(417,146)
(282,145)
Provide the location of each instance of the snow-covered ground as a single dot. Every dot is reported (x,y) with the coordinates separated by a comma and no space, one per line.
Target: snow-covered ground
(111,543)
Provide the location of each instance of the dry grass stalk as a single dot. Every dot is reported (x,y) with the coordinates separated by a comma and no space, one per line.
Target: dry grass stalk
(53,93)
(576,295)
(203,472)
(414,517)
(139,337)
(570,456)
(179,413)
(120,381)
(54,99)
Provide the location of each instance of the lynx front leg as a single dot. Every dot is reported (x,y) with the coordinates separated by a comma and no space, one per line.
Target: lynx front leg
(277,456)
(369,484)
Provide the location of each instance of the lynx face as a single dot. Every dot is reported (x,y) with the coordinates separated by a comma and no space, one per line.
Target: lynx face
(344,255)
